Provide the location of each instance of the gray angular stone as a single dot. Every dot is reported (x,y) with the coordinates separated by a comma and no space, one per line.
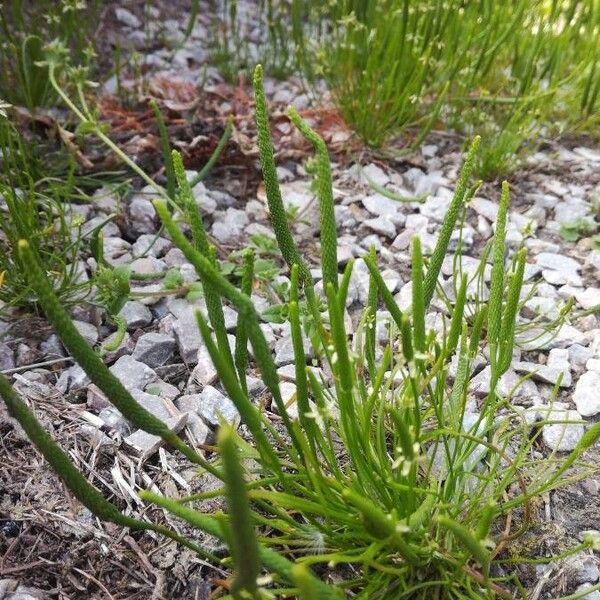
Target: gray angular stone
(108,229)
(229,225)
(87,330)
(583,568)
(297,194)
(188,339)
(134,375)
(125,347)
(593,595)
(25,355)
(437,454)
(175,258)
(188,403)
(51,347)
(562,277)
(72,379)
(593,260)
(161,407)
(485,208)
(284,350)
(154,349)
(198,429)
(204,373)
(214,404)
(545,307)
(7,357)
(135,314)
(572,212)
(358,287)
(96,400)
(436,207)
(587,394)
(116,251)
(163,389)
(12,589)
(541,339)
(145,444)
(106,200)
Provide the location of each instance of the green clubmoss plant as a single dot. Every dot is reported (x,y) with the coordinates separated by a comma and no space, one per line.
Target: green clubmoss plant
(377,474)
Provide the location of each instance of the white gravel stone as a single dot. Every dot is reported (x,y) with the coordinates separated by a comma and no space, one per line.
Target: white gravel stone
(539,339)
(142,214)
(588,154)
(382,225)
(579,355)
(296,194)
(127,18)
(562,437)
(150,245)
(435,207)
(480,384)
(593,259)
(593,364)
(589,297)
(375,174)
(538,305)
(544,373)
(557,262)
(587,394)
(485,208)
(562,277)
(378,205)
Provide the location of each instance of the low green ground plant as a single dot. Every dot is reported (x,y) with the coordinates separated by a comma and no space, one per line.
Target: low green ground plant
(379,477)
(26,26)
(35,207)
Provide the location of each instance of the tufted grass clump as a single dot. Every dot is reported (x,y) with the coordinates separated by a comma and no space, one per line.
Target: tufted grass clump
(510,72)
(381,480)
